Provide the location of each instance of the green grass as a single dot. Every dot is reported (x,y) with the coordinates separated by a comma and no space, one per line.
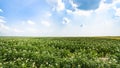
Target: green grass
(59,52)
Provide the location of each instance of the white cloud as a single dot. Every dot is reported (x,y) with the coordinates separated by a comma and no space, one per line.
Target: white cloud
(66,20)
(18,31)
(3,27)
(1,10)
(69,11)
(57,5)
(46,23)
(60,5)
(48,14)
(80,12)
(105,7)
(116,1)
(30,22)
(2,21)
(115,8)
(83,13)
(102,8)
(117,12)
(7,30)
(73,4)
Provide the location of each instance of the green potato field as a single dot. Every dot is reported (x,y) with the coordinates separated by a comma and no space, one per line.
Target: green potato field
(59,52)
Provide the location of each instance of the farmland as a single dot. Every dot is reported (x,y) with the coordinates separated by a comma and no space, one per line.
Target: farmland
(59,52)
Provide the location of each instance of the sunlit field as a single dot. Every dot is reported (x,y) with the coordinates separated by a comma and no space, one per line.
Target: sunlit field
(59,52)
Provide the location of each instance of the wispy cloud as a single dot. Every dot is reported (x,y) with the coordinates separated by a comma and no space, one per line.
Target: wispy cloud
(3,28)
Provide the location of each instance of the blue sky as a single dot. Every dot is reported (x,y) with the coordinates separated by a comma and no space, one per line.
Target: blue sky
(59,17)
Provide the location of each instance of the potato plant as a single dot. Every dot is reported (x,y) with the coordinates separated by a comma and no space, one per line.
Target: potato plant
(59,52)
